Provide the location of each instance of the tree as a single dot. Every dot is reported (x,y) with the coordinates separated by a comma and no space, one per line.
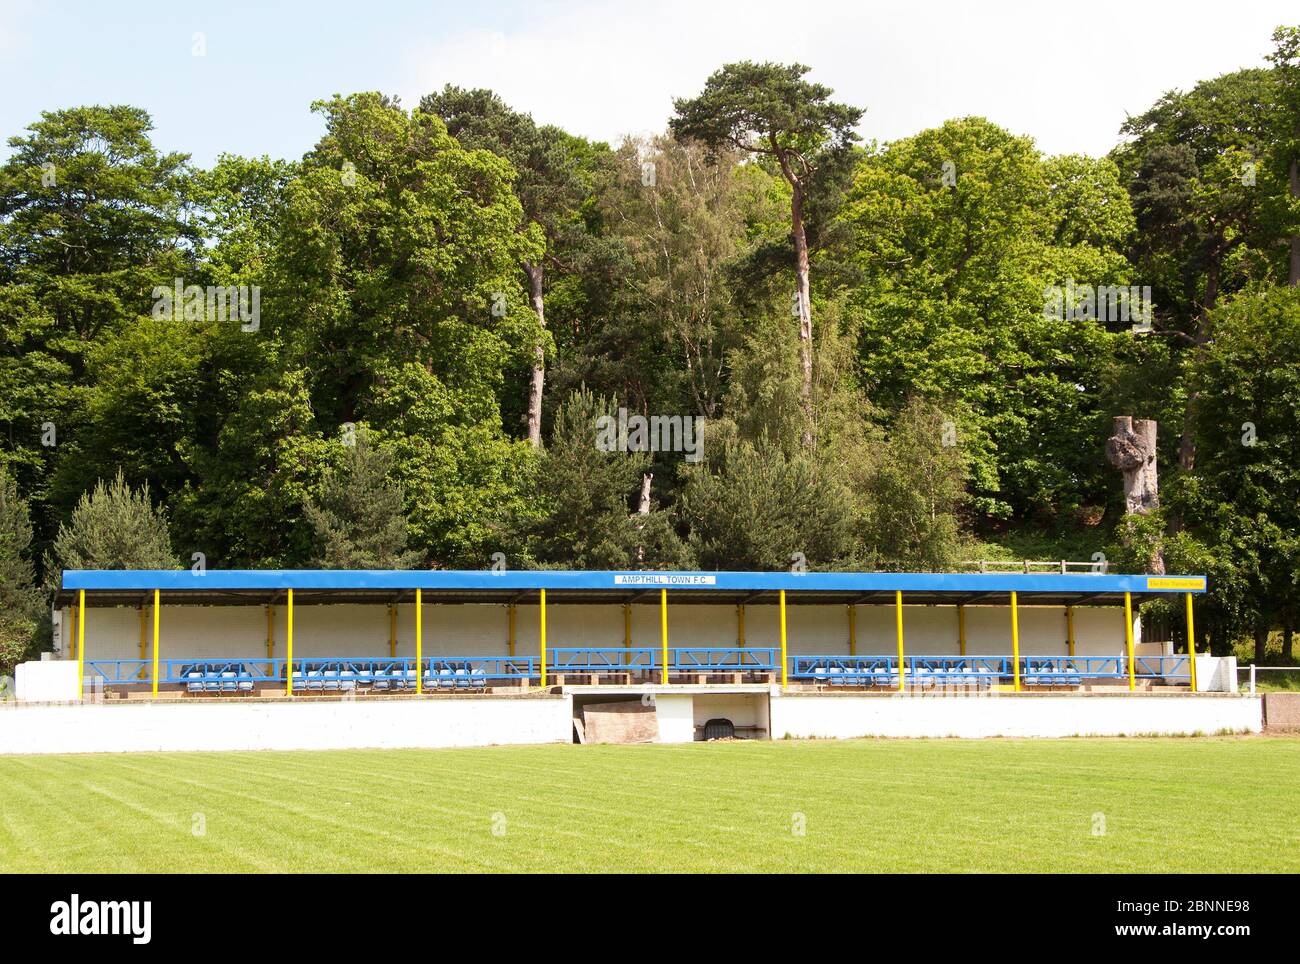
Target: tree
(247,504)
(682,234)
(770,110)
(916,491)
(396,248)
(115,527)
(753,506)
(92,217)
(1285,58)
(1191,167)
(20,602)
(1239,506)
(358,516)
(585,496)
(953,303)
(550,185)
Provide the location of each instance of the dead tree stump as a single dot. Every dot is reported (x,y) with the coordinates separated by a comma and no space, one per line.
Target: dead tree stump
(1132,450)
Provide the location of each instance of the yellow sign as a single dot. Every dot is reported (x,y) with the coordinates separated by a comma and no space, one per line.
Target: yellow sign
(1176,582)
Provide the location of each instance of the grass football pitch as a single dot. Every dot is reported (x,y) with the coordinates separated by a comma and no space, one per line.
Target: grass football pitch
(1144,805)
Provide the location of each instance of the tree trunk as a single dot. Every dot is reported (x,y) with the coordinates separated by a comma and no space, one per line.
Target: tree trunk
(538,382)
(1132,450)
(1288,640)
(643,509)
(804,295)
(1261,642)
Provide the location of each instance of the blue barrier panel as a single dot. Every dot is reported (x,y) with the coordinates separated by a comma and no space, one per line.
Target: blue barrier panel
(1168,667)
(703,659)
(603,659)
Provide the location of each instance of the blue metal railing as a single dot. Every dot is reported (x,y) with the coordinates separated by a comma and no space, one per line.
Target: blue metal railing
(311,673)
(588,659)
(695,659)
(982,670)
(681,659)
(343,674)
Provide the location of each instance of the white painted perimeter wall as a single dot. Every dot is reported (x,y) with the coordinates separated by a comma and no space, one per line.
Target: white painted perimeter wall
(234,725)
(844,717)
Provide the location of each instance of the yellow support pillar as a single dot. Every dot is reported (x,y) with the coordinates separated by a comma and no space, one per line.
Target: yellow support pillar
(154,688)
(510,640)
(1015,642)
(853,630)
(898,622)
(1191,640)
(785,672)
(961,630)
(419,641)
(288,644)
(663,625)
(740,626)
(1069,629)
(542,635)
(1128,638)
(81,644)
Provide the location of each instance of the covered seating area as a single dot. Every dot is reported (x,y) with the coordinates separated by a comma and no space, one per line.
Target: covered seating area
(698,619)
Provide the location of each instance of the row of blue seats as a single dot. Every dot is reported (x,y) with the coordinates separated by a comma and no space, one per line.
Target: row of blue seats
(1040,674)
(233,678)
(885,676)
(1050,673)
(225,678)
(463,677)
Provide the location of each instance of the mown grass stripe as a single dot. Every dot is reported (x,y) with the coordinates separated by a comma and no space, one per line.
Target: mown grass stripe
(889,805)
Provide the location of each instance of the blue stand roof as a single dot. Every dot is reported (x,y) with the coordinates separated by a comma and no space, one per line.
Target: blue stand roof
(250,586)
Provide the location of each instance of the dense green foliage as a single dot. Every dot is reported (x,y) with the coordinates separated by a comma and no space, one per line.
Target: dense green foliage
(359,518)
(20,603)
(114,527)
(451,286)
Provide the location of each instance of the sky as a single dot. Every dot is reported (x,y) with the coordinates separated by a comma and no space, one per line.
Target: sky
(240,77)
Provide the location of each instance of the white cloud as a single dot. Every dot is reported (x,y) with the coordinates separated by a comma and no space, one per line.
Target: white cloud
(1065,75)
